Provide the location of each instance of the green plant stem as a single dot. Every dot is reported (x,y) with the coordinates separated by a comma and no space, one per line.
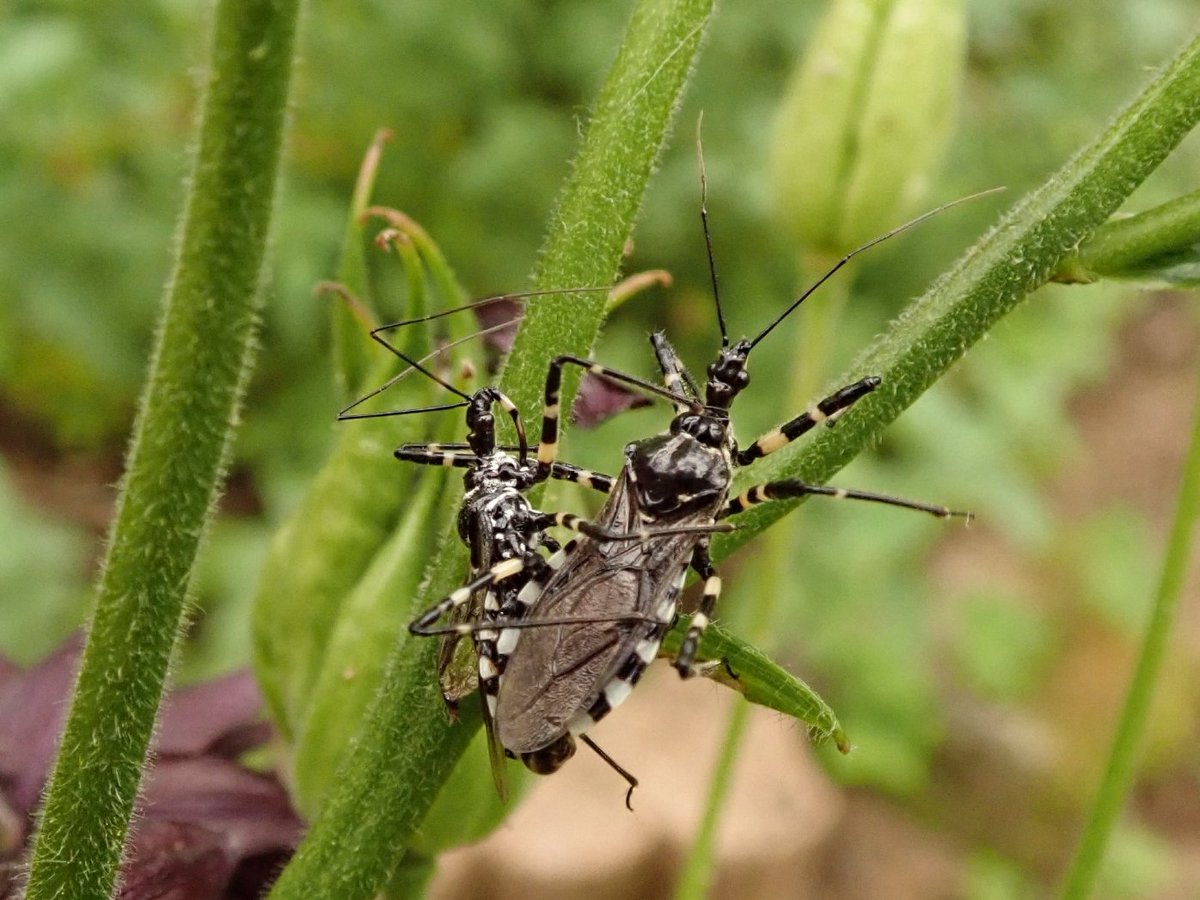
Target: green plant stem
(1121,247)
(178,454)
(1015,258)
(406,749)
(696,876)
(816,339)
(1119,772)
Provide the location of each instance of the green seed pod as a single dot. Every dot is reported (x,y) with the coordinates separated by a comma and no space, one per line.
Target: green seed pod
(866,118)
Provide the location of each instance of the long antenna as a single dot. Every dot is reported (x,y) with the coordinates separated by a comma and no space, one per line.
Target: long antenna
(475,304)
(413,364)
(345,415)
(867,246)
(382,341)
(712,266)
(419,366)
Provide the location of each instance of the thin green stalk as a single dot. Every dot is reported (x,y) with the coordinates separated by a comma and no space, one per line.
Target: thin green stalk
(178,454)
(816,338)
(1119,772)
(1015,258)
(1148,245)
(406,749)
(696,876)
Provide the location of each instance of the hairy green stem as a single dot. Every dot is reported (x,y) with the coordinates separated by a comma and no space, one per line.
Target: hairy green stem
(178,454)
(1119,772)
(1015,258)
(1148,244)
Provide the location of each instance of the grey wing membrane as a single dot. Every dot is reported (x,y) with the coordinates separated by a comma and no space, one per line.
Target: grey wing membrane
(458,676)
(620,588)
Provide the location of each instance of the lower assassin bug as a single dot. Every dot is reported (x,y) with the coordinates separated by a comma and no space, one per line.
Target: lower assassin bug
(592,621)
(503,532)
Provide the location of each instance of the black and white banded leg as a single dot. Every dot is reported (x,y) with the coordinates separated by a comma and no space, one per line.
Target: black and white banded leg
(690,646)
(547,452)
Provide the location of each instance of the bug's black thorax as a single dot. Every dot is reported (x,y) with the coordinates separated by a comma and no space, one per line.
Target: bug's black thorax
(677,474)
(688,469)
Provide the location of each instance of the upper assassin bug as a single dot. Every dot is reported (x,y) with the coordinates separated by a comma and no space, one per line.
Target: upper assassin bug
(601,613)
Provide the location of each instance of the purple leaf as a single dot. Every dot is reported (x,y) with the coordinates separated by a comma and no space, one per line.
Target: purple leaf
(250,811)
(206,827)
(599,399)
(175,861)
(201,718)
(33,708)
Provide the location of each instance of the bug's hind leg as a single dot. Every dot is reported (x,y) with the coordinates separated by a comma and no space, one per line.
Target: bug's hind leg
(690,646)
(426,623)
(616,767)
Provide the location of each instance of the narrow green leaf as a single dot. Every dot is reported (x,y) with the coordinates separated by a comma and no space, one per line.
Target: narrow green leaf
(751,673)
(1119,771)
(178,454)
(369,622)
(351,355)
(1160,246)
(318,555)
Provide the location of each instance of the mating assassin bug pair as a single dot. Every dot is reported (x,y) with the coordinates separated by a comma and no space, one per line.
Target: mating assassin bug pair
(504,533)
(561,641)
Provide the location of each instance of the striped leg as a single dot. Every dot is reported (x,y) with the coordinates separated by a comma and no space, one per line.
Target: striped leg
(597,481)
(690,645)
(580,525)
(675,374)
(782,490)
(425,623)
(460,456)
(436,455)
(548,447)
(825,411)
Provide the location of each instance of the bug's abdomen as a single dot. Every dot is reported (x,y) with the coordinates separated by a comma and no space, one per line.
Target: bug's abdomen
(571,676)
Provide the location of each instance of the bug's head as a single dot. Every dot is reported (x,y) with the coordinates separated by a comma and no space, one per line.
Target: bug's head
(481,424)
(550,758)
(727,377)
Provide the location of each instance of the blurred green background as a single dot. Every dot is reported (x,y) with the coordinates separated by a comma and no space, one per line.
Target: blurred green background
(977,671)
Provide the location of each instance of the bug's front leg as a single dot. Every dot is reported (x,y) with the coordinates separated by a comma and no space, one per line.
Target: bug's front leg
(825,411)
(451,456)
(426,623)
(794,487)
(547,452)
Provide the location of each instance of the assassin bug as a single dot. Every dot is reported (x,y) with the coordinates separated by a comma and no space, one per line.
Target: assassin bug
(603,611)
(502,530)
